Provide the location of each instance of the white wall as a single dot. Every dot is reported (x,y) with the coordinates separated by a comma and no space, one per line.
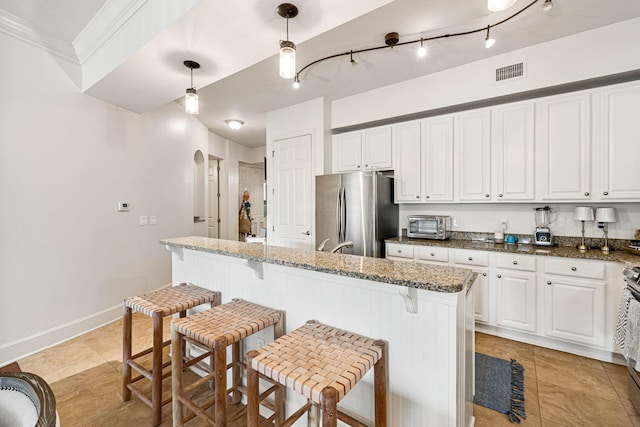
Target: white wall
(600,52)
(67,257)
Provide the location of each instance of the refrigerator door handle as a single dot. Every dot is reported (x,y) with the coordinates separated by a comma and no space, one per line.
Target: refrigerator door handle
(343,220)
(338,214)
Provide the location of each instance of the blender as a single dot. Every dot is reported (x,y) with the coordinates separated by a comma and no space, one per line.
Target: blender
(543,236)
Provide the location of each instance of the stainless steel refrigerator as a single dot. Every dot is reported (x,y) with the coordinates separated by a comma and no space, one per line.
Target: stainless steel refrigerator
(355,207)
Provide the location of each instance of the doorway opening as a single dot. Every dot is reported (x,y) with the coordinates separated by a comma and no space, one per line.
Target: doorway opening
(252,179)
(214,220)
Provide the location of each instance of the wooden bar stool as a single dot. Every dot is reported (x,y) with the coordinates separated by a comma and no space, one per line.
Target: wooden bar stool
(157,305)
(215,329)
(323,364)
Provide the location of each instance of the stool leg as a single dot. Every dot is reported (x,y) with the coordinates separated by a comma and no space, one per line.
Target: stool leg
(329,407)
(253,393)
(156,382)
(176,376)
(220,351)
(313,416)
(126,353)
(236,374)
(380,386)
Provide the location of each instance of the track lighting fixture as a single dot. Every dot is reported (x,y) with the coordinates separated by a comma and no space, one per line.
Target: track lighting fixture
(287,47)
(489,41)
(191,98)
(234,124)
(422,51)
(393,39)
(547,5)
(498,5)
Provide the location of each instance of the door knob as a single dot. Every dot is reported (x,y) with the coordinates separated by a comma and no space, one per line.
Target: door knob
(308,233)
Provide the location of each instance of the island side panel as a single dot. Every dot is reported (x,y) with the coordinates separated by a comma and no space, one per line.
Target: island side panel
(426,349)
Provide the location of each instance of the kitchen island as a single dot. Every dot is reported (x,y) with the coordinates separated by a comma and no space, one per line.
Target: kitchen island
(425,313)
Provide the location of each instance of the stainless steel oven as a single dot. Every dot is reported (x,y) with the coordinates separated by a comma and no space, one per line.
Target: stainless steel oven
(632,277)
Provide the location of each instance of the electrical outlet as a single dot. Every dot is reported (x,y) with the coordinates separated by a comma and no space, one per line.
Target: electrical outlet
(457,222)
(144,220)
(153,220)
(505,223)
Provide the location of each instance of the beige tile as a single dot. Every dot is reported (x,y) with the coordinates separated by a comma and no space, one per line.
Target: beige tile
(564,406)
(547,353)
(506,349)
(614,368)
(575,377)
(486,417)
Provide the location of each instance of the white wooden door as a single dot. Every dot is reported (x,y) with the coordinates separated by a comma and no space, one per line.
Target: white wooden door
(437,141)
(347,149)
(563,136)
(213,221)
(407,162)
(620,139)
(481,292)
(377,148)
(473,154)
(516,300)
(514,149)
(292,192)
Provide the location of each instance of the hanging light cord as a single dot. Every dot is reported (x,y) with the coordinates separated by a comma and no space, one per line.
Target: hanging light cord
(442,36)
(191,68)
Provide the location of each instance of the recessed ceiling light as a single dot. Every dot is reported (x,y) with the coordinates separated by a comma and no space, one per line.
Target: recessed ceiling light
(234,124)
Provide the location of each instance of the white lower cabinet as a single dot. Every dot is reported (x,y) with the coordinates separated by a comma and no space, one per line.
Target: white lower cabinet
(535,297)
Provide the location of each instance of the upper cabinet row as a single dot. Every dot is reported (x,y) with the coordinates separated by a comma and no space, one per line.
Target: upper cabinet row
(581,146)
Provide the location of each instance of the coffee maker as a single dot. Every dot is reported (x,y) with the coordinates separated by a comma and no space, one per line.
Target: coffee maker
(543,236)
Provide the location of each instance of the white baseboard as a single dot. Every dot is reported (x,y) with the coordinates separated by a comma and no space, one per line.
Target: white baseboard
(13,351)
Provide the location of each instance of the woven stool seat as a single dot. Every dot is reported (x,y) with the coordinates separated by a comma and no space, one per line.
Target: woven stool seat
(215,329)
(157,305)
(321,363)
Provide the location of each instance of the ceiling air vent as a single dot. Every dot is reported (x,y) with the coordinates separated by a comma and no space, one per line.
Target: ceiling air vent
(510,72)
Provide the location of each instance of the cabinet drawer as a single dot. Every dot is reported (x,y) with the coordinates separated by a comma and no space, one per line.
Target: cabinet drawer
(399,251)
(516,262)
(573,268)
(471,258)
(433,253)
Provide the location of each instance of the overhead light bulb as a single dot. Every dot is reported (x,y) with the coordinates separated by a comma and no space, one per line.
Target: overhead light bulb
(498,5)
(422,51)
(296,82)
(489,41)
(191,97)
(287,47)
(234,124)
(547,5)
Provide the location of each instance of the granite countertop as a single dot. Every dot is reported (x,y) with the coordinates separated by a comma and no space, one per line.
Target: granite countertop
(414,275)
(617,255)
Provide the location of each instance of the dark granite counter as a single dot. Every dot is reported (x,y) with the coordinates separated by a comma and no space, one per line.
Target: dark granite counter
(414,275)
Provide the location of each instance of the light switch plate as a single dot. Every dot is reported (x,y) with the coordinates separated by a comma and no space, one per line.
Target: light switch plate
(144,220)
(153,220)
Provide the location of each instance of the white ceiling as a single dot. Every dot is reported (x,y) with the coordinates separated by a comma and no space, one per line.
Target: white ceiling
(236,44)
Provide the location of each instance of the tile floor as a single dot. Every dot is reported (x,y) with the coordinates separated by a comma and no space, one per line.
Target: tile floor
(560,389)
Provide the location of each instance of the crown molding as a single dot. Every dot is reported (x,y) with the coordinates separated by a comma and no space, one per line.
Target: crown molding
(22,30)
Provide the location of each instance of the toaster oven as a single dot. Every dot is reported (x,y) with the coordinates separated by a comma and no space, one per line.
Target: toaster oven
(435,227)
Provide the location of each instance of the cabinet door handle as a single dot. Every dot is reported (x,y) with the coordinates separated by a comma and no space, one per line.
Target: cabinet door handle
(548,282)
(432,254)
(499,195)
(366,166)
(515,262)
(428,197)
(586,194)
(399,251)
(484,274)
(606,193)
(499,276)
(486,195)
(358,166)
(470,259)
(417,196)
(573,269)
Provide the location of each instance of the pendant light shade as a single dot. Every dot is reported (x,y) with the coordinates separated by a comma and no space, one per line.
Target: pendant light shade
(498,5)
(191,97)
(287,59)
(287,47)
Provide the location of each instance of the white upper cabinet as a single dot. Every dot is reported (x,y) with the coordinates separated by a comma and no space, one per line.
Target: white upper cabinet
(473,155)
(513,143)
(407,181)
(563,138)
(437,159)
(620,143)
(363,150)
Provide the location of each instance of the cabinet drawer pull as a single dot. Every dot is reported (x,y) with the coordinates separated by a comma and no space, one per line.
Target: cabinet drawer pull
(499,276)
(399,251)
(499,195)
(548,282)
(573,269)
(432,254)
(428,197)
(470,259)
(515,262)
(417,196)
(606,193)
(586,194)
(486,195)
(366,166)
(484,274)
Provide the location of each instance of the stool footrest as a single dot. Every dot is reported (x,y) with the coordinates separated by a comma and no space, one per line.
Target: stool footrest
(296,415)
(349,420)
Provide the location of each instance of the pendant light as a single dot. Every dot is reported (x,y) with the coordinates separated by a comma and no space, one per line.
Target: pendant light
(422,51)
(234,124)
(191,98)
(498,5)
(489,41)
(287,47)
(547,5)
